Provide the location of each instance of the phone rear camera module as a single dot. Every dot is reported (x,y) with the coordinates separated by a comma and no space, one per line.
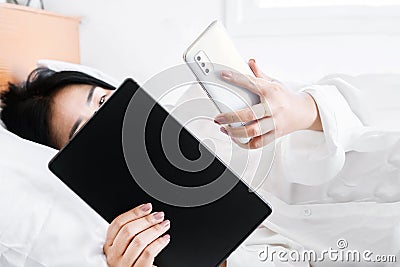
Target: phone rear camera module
(203,62)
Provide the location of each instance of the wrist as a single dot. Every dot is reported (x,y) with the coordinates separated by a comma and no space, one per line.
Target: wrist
(310,117)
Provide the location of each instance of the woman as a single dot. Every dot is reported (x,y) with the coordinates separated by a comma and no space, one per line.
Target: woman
(51,106)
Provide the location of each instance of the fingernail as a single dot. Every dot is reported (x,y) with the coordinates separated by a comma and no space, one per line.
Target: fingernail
(222,129)
(167,237)
(220,120)
(252,59)
(226,74)
(165,223)
(146,207)
(158,215)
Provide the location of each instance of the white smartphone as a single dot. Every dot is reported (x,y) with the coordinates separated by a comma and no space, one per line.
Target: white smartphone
(212,52)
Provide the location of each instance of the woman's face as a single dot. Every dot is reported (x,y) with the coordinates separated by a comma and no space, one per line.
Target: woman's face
(71,107)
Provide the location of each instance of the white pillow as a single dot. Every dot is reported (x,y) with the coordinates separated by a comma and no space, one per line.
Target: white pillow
(42,222)
(61,65)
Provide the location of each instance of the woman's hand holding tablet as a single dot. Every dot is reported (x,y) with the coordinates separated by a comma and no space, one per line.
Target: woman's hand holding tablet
(136,237)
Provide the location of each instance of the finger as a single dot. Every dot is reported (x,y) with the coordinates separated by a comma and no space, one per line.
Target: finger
(123,219)
(257,71)
(254,129)
(133,228)
(259,74)
(257,142)
(151,251)
(252,113)
(253,84)
(142,240)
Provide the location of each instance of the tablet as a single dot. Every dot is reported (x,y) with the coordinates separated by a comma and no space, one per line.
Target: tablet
(116,162)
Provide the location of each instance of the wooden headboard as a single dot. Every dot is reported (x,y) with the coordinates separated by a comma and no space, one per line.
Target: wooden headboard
(27,35)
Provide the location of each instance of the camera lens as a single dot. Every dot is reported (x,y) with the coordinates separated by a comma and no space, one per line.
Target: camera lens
(207,70)
(203,64)
(198,58)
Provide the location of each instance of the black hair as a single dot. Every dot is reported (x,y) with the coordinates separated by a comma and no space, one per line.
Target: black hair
(26,107)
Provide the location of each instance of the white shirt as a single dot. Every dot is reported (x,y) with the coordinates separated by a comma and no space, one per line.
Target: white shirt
(340,185)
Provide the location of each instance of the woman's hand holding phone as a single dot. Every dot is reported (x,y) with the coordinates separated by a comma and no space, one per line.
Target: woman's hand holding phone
(136,237)
(280,112)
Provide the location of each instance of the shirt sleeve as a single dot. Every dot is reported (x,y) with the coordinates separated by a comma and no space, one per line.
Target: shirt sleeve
(324,152)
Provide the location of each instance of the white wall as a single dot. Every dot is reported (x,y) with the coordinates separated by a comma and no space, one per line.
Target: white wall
(140,38)
(137,38)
